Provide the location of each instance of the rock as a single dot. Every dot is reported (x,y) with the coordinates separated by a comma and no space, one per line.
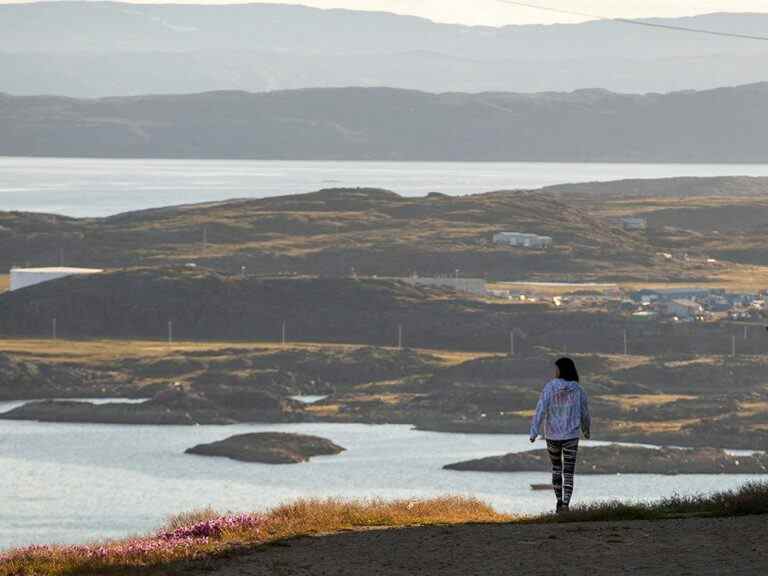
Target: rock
(269,448)
(617,459)
(170,407)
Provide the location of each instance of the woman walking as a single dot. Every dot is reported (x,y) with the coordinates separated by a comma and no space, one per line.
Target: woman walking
(564,409)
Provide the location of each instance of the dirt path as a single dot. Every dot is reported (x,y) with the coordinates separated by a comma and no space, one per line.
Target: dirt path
(727,546)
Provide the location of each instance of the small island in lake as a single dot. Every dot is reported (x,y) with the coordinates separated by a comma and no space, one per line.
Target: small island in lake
(269,448)
(618,459)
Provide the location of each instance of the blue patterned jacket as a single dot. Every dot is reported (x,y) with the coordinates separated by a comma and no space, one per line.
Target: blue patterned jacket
(564,409)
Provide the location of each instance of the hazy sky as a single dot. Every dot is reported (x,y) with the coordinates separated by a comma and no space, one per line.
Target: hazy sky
(493,12)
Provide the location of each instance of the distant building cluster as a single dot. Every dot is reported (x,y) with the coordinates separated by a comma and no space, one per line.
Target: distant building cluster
(522,239)
(695,304)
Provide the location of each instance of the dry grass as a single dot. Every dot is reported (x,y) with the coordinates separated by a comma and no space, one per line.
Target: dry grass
(752,408)
(748,500)
(551,289)
(322,517)
(650,427)
(733,277)
(98,351)
(628,402)
(204,534)
(323,409)
(730,276)
(106,350)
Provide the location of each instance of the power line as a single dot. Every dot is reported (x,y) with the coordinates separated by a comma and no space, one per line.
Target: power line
(645,23)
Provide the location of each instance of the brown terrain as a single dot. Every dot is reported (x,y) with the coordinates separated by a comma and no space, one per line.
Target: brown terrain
(697,401)
(310,262)
(683,547)
(339,232)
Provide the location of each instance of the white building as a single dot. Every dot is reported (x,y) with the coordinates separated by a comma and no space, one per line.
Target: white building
(24,277)
(634,223)
(520,239)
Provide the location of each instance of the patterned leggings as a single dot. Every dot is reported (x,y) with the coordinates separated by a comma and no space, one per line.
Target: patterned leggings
(562,453)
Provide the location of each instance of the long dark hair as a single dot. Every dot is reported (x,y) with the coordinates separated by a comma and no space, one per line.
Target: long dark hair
(567,369)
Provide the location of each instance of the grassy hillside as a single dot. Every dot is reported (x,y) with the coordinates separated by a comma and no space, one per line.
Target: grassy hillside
(340,232)
(205,305)
(720,218)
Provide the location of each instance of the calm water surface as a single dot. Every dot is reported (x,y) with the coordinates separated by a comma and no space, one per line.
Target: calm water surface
(75,483)
(99,187)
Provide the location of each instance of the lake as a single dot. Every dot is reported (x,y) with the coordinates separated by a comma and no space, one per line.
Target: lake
(100,187)
(72,483)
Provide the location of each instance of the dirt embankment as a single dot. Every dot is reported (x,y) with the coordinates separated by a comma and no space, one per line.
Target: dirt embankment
(659,548)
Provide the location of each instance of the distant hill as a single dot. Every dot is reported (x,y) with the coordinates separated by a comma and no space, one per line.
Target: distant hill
(88,49)
(204,305)
(333,232)
(721,125)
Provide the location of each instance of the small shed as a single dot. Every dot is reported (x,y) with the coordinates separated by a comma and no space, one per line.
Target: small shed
(522,239)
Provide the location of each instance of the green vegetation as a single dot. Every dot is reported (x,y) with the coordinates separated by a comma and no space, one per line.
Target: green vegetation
(748,500)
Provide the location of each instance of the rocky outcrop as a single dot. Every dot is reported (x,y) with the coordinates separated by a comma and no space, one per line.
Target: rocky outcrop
(169,407)
(21,378)
(269,448)
(617,459)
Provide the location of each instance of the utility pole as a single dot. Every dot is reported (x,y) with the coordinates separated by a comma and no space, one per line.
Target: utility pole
(170,332)
(512,343)
(399,336)
(53,328)
(733,346)
(626,345)
(284,334)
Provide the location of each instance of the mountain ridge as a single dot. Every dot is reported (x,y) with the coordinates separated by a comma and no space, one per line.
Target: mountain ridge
(89,49)
(362,123)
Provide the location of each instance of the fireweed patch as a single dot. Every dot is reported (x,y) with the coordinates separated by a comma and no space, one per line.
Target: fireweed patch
(183,542)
